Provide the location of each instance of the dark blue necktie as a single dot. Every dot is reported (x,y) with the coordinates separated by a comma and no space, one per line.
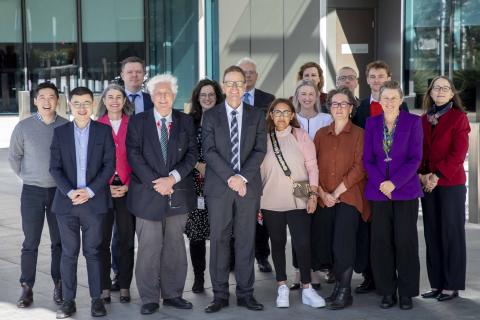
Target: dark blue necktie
(235,161)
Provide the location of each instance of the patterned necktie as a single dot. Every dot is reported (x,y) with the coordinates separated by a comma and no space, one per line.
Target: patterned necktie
(133,96)
(235,161)
(246,97)
(164,138)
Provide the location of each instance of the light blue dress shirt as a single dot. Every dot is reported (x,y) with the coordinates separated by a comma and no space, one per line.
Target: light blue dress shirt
(81,150)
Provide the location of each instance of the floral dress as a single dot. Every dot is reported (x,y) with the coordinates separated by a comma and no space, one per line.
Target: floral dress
(197,227)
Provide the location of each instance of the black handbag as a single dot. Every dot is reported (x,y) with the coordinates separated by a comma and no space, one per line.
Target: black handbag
(301,189)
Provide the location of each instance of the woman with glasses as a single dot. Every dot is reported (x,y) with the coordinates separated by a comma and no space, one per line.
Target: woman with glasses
(114,110)
(341,189)
(290,158)
(391,157)
(206,94)
(445,145)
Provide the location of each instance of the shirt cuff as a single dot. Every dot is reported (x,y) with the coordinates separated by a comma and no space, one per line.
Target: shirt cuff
(69,193)
(90,192)
(176,175)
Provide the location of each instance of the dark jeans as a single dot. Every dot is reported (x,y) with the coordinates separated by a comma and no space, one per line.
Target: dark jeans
(395,261)
(444,227)
(298,222)
(35,204)
(91,224)
(125,226)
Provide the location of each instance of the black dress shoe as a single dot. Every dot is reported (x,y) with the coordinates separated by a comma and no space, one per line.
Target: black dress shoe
(216,305)
(67,309)
(125,299)
(446,297)
(295,286)
(115,284)
(431,294)
(198,285)
(342,300)
(264,265)
(149,308)
(178,303)
(26,298)
(98,308)
(250,303)
(405,303)
(57,293)
(368,285)
(388,301)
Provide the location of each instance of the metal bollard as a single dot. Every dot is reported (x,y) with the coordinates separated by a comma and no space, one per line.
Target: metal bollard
(23,99)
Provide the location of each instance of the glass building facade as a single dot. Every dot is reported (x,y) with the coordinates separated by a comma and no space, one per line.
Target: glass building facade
(442,37)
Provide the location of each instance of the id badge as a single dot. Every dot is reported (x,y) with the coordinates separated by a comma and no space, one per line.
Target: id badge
(201,203)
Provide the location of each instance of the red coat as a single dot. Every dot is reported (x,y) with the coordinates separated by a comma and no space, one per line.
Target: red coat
(445,147)
(122,168)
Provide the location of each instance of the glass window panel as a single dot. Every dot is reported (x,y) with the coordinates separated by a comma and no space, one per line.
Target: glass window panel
(11,55)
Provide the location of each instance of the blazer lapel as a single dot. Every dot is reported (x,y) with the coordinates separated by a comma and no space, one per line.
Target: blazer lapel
(151,132)
(70,139)
(245,120)
(224,129)
(172,137)
(91,143)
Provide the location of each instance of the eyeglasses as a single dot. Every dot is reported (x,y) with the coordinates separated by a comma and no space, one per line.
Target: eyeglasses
(78,105)
(279,113)
(231,84)
(249,73)
(340,105)
(345,78)
(207,95)
(441,89)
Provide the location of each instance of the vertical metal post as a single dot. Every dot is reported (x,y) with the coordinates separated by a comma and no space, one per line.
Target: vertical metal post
(473,181)
(23,13)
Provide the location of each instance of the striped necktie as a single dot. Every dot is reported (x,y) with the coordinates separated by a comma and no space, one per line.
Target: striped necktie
(235,161)
(164,138)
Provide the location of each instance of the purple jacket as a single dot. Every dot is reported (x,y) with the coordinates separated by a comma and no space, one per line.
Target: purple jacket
(406,155)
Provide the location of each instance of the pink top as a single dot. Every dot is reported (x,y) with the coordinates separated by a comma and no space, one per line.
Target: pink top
(122,168)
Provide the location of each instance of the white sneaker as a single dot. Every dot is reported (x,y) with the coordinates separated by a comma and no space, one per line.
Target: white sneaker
(283,299)
(311,298)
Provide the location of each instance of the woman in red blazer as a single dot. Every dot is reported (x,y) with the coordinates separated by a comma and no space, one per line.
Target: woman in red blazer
(445,130)
(114,110)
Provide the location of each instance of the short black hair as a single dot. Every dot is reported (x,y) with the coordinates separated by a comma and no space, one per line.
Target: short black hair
(133,59)
(46,85)
(80,91)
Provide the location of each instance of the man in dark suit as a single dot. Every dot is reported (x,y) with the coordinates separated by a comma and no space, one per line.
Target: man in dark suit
(81,163)
(133,74)
(261,100)
(234,145)
(162,151)
(377,73)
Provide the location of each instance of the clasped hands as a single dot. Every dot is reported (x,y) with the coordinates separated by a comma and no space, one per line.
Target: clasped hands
(79,196)
(164,185)
(237,184)
(118,191)
(429,181)
(387,187)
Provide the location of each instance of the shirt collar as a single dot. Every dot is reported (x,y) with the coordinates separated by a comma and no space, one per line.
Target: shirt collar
(251,92)
(40,118)
(138,92)
(346,129)
(158,117)
(82,129)
(230,109)
(371,99)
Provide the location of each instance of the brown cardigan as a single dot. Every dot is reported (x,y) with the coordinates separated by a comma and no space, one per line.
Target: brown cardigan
(339,158)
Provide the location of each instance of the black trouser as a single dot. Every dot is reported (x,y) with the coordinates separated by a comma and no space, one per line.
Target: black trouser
(362,260)
(91,224)
(298,222)
(394,247)
(35,204)
(125,225)
(262,249)
(444,228)
(197,254)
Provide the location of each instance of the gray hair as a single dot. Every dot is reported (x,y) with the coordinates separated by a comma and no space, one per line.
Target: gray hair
(128,107)
(393,85)
(246,60)
(306,83)
(163,78)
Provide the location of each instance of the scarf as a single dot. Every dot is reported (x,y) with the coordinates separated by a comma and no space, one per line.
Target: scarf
(435,112)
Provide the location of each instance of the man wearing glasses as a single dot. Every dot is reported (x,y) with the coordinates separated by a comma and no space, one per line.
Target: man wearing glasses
(82,162)
(234,145)
(347,77)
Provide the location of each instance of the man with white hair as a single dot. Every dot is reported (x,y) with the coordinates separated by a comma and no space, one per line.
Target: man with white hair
(162,151)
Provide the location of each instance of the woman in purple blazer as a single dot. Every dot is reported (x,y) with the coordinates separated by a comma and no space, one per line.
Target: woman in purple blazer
(392,155)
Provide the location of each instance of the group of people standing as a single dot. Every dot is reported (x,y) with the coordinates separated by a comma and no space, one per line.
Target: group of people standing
(344,175)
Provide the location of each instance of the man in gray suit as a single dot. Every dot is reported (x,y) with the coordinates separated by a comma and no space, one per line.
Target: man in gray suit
(234,145)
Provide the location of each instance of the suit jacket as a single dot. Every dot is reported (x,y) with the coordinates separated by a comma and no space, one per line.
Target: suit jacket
(147,101)
(145,157)
(262,100)
(100,166)
(363,112)
(445,147)
(406,155)
(217,150)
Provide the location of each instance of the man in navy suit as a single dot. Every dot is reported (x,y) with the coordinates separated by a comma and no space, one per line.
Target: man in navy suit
(162,151)
(133,75)
(81,163)
(261,100)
